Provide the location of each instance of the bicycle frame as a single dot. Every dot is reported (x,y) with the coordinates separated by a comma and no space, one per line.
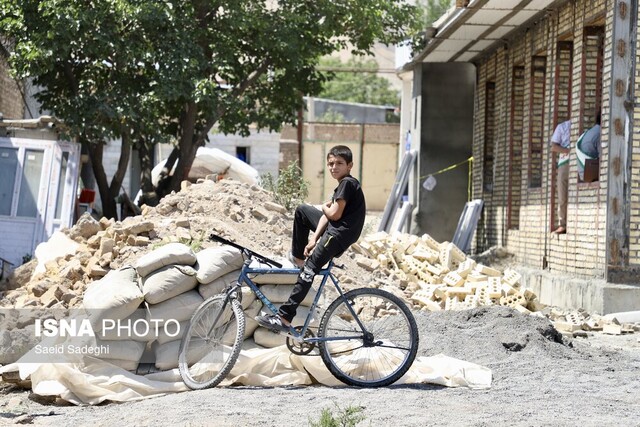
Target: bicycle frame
(326,275)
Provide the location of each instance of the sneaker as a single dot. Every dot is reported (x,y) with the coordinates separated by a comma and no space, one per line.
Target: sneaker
(294,261)
(272,322)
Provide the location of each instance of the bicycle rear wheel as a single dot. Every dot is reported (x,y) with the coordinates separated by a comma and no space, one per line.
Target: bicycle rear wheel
(377,356)
(211,344)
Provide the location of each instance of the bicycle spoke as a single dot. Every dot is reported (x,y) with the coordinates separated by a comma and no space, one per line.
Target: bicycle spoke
(384,350)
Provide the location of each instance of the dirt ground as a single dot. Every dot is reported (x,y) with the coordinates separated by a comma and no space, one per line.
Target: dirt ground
(539,378)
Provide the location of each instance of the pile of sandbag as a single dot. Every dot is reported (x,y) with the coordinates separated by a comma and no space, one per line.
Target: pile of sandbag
(163,291)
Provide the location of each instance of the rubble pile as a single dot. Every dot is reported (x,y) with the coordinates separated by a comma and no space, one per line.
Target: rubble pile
(227,208)
(437,276)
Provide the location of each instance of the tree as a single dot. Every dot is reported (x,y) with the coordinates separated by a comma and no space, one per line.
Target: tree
(434,9)
(358,83)
(143,70)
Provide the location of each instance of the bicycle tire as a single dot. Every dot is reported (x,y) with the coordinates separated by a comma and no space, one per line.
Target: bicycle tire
(208,351)
(375,360)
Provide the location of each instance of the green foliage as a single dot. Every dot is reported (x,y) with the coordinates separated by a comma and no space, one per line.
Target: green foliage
(358,83)
(432,10)
(148,70)
(289,189)
(347,417)
(26,258)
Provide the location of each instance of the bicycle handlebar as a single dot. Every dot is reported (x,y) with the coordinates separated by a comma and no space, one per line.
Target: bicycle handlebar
(249,252)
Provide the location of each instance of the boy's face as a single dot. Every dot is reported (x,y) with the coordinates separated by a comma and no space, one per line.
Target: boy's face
(338,167)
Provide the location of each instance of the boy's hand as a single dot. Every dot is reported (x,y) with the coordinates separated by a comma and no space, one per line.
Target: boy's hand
(310,246)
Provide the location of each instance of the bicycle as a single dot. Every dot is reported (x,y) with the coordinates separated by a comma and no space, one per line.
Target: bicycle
(366,337)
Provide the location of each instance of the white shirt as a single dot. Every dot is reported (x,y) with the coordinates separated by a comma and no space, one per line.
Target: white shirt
(562,137)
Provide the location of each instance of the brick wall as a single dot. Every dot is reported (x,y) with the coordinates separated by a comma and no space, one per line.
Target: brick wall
(519,211)
(11,105)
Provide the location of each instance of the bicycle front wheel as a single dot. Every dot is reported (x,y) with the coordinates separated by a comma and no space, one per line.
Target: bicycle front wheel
(370,338)
(211,344)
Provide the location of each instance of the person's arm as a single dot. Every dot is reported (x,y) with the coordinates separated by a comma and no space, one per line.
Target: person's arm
(334,210)
(557,148)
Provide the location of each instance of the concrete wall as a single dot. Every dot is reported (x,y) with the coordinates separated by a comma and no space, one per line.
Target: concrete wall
(445,139)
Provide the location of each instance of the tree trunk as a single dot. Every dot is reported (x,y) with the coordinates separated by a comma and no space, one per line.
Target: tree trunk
(187,146)
(108,193)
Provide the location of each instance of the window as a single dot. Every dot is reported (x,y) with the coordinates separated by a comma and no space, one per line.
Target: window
(536,120)
(564,71)
(30,185)
(8,171)
(592,60)
(489,135)
(243,154)
(515,147)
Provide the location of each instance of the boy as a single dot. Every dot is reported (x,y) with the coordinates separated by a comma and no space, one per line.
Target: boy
(335,227)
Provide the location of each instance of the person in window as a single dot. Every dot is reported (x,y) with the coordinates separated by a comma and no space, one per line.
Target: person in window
(560,143)
(588,147)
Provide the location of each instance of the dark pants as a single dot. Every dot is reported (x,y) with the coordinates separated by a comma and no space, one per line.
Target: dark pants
(306,220)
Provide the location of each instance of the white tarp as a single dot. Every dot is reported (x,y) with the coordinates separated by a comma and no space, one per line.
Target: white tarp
(92,381)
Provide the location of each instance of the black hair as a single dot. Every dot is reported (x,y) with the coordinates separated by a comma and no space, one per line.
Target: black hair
(341,151)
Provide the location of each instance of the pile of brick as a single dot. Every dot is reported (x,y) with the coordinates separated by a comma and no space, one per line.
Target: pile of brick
(439,276)
(579,323)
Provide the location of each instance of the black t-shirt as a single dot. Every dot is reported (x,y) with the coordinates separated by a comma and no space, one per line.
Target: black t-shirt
(347,229)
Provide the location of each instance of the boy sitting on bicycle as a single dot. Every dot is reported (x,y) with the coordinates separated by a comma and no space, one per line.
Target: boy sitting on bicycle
(335,227)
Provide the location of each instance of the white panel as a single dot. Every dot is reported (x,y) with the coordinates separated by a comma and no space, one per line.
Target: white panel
(521,17)
(481,45)
(539,4)
(469,32)
(500,32)
(466,57)
(452,45)
(501,4)
(487,17)
(439,56)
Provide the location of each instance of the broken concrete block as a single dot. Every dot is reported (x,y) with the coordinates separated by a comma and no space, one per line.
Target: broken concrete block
(487,271)
(182,222)
(106,245)
(612,329)
(453,279)
(512,277)
(566,326)
(513,300)
(431,242)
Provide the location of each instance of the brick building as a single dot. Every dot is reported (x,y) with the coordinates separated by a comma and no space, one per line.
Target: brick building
(533,65)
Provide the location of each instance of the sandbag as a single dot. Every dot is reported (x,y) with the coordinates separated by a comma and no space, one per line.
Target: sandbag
(171,332)
(215,287)
(138,322)
(249,314)
(278,294)
(168,282)
(122,350)
(167,355)
(172,253)
(116,296)
(275,279)
(265,338)
(179,308)
(127,365)
(248,297)
(216,262)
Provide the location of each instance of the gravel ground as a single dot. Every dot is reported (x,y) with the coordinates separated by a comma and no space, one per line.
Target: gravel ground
(539,378)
